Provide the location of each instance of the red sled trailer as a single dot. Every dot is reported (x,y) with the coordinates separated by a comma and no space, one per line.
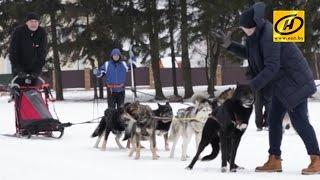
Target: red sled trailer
(31,96)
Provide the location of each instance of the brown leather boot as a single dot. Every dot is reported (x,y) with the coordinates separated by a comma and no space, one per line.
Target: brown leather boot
(314,167)
(272,165)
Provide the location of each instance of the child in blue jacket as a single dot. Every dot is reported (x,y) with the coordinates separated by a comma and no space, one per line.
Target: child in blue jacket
(115,71)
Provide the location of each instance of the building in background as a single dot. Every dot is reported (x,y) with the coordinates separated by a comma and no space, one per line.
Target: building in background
(5,66)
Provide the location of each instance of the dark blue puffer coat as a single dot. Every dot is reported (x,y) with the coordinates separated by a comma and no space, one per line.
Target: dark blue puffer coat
(277,69)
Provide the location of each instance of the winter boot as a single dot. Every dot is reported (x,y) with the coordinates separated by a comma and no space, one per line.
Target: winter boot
(272,165)
(314,167)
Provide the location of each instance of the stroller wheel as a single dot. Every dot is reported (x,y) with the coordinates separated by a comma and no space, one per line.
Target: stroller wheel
(29,134)
(57,134)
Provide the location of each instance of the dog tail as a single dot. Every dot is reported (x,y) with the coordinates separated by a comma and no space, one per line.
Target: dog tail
(99,130)
(215,151)
(198,98)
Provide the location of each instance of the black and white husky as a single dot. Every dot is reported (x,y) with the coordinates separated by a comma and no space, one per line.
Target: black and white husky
(111,122)
(225,127)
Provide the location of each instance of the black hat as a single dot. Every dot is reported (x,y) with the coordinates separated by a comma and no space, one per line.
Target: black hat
(246,18)
(32,15)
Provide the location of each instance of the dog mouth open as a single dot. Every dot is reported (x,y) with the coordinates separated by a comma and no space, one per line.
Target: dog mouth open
(247,103)
(242,126)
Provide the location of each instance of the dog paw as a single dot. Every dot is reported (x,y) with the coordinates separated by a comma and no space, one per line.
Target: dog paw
(233,170)
(183,158)
(238,167)
(137,156)
(155,157)
(224,169)
(188,168)
(103,149)
(167,148)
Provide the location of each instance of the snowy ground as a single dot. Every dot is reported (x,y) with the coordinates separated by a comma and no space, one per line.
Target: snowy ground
(73,156)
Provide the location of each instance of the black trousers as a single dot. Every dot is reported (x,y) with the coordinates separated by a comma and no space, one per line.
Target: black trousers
(115,99)
(300,121)
(261,117)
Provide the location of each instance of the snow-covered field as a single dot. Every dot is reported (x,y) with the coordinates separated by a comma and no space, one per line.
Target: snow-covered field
(73,156)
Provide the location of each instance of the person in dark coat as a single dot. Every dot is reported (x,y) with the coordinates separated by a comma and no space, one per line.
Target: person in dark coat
(279,71)
(28,47)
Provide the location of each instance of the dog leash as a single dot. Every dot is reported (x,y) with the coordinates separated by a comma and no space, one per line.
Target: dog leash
(200,118)
(85,122)
(95,120)
(151,95)
(50,98)
(163,119)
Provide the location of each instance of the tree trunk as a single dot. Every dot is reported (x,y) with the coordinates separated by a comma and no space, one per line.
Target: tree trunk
(56,60)
(316,65)
(185,52)
(214,53)
(94,79)
(207,64)
(154,46)
(100,81)
(206,67)
(215,65)
(173,56)
(92,63)
(132,25)
(308,38)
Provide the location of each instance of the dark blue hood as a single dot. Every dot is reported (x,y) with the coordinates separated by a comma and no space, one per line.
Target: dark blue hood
(259,11)
(115,52)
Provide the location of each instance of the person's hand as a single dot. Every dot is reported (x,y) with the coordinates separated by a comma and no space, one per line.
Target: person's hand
(28,81)
(223,39)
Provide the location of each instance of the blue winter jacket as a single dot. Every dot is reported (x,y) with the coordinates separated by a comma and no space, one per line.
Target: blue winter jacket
(115,72)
